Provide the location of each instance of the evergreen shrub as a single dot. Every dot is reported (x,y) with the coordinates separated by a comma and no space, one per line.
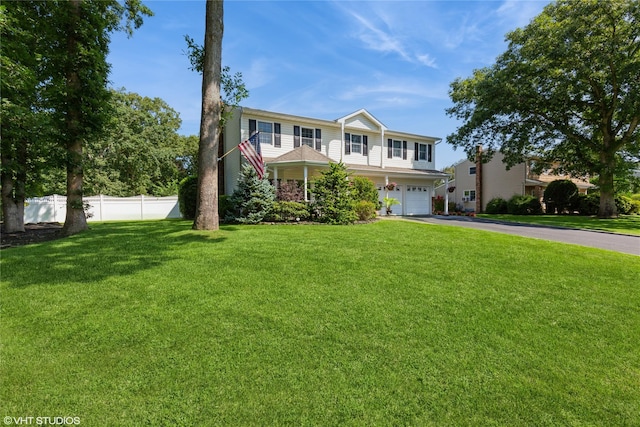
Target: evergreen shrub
(497,205)
(187,197)
(524,205)
(284,211)
(365,210)
(588,204)
(333,196)
(252,200)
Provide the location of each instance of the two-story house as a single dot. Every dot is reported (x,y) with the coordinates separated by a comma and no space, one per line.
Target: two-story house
(476,183)
(299,148)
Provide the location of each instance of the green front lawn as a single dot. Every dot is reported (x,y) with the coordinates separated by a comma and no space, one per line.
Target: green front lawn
(389,323)
(626,224)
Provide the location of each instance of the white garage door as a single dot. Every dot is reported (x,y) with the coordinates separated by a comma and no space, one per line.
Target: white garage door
(417,200)
(396,193)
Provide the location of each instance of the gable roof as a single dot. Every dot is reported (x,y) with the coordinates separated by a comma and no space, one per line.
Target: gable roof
(365,113)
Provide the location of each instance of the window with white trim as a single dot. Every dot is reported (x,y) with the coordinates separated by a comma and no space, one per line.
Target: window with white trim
(307,136)
(266,132)
(469,196)
(397,148)
(472,170)
(356,144)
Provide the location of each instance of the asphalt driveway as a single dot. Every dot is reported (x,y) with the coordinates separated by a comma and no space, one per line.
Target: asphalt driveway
(614,242)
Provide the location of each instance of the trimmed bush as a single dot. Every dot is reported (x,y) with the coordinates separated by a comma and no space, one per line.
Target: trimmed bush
(497,205)
(365,210)
(588,204)
(284,211)
(624,204)
(187,197)
(365,189)
(561,196)
(524,205)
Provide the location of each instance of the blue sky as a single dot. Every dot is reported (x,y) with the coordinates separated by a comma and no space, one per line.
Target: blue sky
(326,59)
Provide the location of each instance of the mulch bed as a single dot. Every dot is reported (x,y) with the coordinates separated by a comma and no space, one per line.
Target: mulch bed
(33,233)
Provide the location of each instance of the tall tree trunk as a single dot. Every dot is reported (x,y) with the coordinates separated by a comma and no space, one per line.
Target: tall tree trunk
(207,197)
(607,201)
(75,220)
(13,190)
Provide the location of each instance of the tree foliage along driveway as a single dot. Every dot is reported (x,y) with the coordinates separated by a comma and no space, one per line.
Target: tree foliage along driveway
(566,91)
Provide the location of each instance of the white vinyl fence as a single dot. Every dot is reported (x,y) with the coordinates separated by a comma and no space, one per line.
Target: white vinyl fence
(103,208)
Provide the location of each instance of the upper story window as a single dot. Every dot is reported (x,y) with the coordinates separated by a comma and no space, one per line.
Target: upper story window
(472,170)
(423,152)
(396,149)
(269,132)
(307,137)
(266,132)
(356,144)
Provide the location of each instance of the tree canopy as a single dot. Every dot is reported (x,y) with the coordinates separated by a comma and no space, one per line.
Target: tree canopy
(55,64)
(566,92)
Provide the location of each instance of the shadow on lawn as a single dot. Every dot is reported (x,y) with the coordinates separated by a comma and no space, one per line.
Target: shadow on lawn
(105,250)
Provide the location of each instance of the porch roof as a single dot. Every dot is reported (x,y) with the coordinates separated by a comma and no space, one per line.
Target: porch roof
(305,155)
(300,156)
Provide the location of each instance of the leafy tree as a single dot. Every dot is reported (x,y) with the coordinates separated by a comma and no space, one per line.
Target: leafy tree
(19,118)
(253,200)
(333,196)
(566,91)
(65,82)
(141,154)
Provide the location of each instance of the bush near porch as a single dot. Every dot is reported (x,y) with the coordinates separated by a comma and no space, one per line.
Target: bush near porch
(338,198)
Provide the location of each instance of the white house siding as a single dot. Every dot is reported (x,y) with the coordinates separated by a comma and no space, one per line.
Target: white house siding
(332,146)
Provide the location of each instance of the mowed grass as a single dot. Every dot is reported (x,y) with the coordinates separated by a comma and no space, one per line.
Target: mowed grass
(389,323)
(625,224)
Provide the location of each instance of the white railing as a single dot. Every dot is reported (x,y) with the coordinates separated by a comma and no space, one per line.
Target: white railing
(103,208)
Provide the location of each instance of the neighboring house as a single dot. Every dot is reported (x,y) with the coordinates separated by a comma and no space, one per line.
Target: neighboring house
(300,148)
(476,183)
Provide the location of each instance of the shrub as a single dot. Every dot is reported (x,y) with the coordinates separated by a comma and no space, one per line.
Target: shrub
(524,205)
(365,210)
(624,204)
(290,191)
(253,199)
(497,205)
(364,189)
(289,211)
(588,204)
(560,196)
(333,198)
(438,204)
(187,196)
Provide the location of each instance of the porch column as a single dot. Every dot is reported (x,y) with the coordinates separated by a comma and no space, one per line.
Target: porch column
(306,176)
(446,196)
(275,176)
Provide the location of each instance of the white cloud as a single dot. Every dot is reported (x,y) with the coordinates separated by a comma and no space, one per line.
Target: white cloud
(379,33)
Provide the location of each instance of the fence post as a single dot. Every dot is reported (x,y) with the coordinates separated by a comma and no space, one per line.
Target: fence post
(142,206)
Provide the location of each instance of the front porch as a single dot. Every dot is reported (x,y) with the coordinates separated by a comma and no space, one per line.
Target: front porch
(413,188)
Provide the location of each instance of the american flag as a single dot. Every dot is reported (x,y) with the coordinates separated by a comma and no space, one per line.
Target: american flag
(253,155)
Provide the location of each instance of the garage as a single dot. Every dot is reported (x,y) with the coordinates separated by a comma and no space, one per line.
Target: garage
(396,193)
(417,200)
